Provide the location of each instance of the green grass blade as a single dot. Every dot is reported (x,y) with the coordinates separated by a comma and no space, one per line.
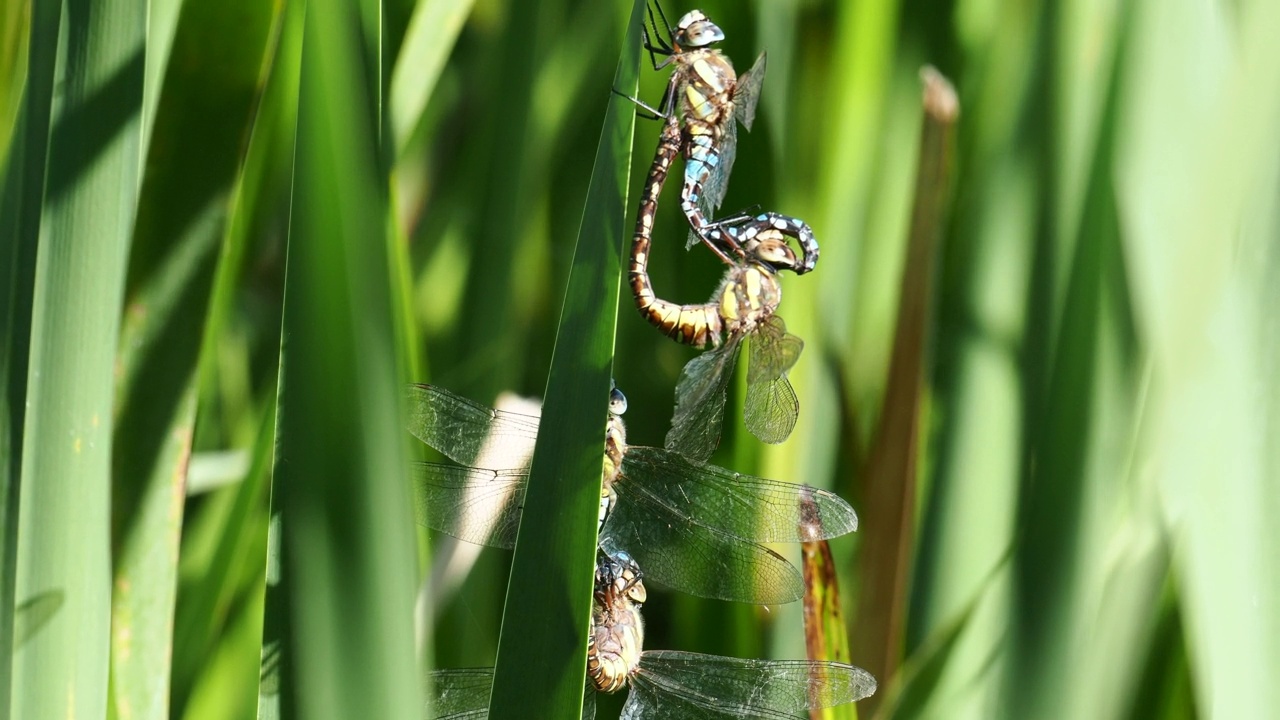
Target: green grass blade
(283,94)
(229,547)
(1203,172)
(341,467)
(15,21)
(63,524)
(21,200)
(204,112)
(432,31)
(826,636)
(542,649)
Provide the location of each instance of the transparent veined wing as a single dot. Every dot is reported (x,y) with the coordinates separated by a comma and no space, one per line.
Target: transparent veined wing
(461,694)
(700,398)
(771,410)
(744,506)
(774,351)
(477,505)
(469,433)
(464,695)
(771,407)
(682,685)
(696,559)
(746,96)
(746,93)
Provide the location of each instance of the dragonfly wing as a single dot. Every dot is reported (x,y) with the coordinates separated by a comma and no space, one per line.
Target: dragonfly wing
(648,699)
(723,687)
(771,407)
(477,505)
(746,93)
(469,433)
(744,506)
(460,694)
(774,351)
(771,410)
(696,559)
(700,398)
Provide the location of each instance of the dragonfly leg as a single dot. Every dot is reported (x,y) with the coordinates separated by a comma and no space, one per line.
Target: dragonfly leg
(653,113)
(656,46)
(666,25)
(738,218)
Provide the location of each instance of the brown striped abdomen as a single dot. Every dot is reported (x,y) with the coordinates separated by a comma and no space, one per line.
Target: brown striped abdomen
(688,324)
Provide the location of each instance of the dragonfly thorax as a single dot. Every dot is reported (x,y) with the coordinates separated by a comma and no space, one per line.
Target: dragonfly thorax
(615,445)
(706,83)
(749,295)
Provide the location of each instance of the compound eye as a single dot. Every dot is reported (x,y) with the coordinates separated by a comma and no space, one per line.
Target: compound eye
(695,31)
(617,402)
(776,252)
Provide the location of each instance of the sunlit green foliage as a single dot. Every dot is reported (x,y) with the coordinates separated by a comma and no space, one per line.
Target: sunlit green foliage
(1096,475)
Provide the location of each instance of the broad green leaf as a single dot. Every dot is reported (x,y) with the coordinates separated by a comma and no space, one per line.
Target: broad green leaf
(432,31)
(21,201)
(340,484)
(90,194)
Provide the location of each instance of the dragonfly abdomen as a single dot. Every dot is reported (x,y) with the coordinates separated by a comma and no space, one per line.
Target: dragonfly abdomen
(688,324)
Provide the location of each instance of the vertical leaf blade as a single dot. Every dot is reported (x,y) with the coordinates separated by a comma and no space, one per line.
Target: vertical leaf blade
(63,524)
(341,468)
(203,115)
(542,649)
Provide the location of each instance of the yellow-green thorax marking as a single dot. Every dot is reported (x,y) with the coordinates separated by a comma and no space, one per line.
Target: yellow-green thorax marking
(615,446)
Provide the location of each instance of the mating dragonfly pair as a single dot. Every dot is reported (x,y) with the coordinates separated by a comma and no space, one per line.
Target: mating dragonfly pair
(693,526)
(667,683)
(703,103)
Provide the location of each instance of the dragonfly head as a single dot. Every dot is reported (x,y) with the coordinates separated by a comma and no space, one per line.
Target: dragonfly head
(629,578)
(617,401)
(618,575)
(696,31)
(770,247)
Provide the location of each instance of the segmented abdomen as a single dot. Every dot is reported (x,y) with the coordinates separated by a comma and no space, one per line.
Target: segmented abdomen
(702,158)
(688,324)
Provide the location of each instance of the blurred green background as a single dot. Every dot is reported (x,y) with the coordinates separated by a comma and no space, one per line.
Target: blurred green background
(1090,510)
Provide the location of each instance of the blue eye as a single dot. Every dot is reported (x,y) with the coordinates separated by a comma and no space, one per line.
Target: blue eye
(617,401)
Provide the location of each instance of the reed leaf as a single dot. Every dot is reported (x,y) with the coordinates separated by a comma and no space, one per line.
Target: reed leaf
(549,597)
(90,193)
(345,546)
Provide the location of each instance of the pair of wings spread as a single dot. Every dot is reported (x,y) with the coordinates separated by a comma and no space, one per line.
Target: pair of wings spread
(691,526)
(674,685)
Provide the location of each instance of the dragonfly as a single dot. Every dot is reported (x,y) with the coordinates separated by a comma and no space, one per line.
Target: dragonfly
(744,305)
(673,684)
(697,527)
(711,99)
